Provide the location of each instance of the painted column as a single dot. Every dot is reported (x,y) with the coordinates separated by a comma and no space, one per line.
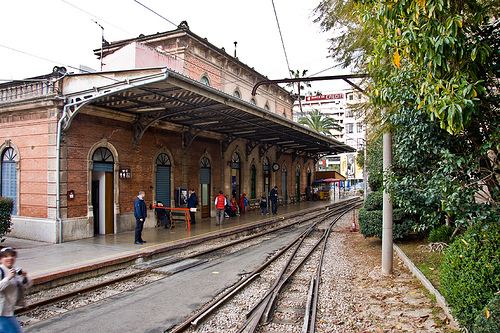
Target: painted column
(387,208)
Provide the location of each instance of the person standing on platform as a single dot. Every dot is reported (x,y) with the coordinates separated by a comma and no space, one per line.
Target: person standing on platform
(220,205)
(140,213)
(192,202)
(263,205)
(14,281)
(273,196)
(243,203)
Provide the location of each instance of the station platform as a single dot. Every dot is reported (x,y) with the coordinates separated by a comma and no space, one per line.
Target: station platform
(46,261)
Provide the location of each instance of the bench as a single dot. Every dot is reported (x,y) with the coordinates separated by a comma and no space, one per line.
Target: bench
(177,215)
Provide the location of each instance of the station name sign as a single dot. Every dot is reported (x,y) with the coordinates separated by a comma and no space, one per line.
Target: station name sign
(324,97)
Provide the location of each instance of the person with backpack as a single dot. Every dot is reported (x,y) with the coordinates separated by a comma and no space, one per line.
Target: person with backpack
(220,205)
(13,284)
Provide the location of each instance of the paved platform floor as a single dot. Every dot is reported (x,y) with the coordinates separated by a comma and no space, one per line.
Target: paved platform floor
(40,259)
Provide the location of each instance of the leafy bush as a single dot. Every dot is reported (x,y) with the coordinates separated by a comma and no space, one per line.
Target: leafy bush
(470,273)
(374,201)
(440,234)
(370,223)
(488,320)
(6,205)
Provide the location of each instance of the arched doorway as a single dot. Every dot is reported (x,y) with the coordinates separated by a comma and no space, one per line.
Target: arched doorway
(284,189)
(9,176)
(163,177)
(253,182)
(266,172)
(205,180)
(297,183)
(102,191)
(235,175)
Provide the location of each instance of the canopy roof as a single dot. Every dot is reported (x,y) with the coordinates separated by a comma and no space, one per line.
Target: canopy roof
(159,94)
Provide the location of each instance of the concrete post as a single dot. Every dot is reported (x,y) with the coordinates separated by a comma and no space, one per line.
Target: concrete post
(365,176)
(387,209)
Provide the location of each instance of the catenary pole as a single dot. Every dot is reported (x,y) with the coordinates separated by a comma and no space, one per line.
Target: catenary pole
(387,208)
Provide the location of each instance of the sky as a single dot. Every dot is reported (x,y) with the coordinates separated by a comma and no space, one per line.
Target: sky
(63,33)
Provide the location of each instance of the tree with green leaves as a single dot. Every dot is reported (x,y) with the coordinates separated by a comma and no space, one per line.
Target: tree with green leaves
(320,123)
(301,86)
(434,70)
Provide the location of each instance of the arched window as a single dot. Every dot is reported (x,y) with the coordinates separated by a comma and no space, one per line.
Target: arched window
(236,94)
(9,176)
(267,107)
(163,178)
(235,175)
(204,79)
(103,160)
(253,101)
(253,182)
(267,175)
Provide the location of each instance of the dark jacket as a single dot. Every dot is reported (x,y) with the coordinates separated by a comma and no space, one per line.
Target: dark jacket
(140,209)
(192,201)
(273,195)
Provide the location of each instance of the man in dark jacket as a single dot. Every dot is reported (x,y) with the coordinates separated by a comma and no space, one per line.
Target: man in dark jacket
(192,202)
(140,213)
(273,197)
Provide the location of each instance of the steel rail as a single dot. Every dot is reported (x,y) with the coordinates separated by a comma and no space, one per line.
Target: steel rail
(196,318)
(267,303)
(87,289)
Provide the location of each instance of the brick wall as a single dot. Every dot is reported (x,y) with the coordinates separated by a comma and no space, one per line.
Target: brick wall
(29,132)
(86,131)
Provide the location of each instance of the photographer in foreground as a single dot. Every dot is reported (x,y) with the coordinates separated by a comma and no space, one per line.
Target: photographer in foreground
(14,281)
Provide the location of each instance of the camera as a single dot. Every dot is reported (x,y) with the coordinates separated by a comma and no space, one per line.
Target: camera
(19,271)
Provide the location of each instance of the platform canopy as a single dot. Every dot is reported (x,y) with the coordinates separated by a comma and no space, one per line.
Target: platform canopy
(154,95)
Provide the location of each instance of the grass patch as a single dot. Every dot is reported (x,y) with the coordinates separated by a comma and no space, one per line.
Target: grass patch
(429,263)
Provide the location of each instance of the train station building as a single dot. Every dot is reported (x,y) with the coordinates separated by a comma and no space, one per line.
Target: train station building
(168,111)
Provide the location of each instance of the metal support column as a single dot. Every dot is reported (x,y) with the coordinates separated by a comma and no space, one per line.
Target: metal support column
(387,209)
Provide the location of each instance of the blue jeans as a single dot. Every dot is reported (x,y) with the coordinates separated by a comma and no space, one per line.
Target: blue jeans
(9,325)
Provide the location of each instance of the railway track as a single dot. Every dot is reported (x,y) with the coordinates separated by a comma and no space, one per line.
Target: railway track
(290,282)
(146,270)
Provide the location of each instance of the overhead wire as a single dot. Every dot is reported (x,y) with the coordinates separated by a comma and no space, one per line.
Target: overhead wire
(156,13)
(171,53)
(281,36)
(116,80)
(96,17)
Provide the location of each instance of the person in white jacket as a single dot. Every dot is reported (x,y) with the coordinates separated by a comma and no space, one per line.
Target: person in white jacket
(14,281)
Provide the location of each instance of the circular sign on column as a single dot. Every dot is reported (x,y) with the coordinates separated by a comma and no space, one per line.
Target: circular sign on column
(276,167)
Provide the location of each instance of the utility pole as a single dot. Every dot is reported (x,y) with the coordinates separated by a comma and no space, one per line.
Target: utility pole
(102,38)
(387,208)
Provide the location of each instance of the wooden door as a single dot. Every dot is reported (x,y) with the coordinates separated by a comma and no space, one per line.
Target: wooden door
(95,205)
(109,211)
(205,200)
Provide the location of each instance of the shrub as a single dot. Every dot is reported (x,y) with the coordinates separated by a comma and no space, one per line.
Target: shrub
(488,320)
(440,234)
(374,201)
(370,223)
(6,205)
(470,272)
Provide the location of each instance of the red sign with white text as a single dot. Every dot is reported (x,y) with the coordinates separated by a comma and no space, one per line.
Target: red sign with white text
(324,97)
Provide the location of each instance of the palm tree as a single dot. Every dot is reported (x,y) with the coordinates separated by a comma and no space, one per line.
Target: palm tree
(296,74)
(320,123)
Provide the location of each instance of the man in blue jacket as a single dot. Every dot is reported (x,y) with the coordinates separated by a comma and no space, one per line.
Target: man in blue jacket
(140,213)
